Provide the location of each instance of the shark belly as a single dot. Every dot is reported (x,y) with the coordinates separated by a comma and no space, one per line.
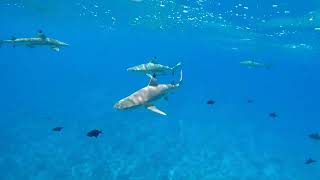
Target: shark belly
(141,97)
(151,68)
(26,42)
(16,43)
(159,69)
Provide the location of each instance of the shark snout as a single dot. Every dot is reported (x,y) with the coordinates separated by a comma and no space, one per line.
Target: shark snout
(120,105)
(117,106)
(131,69)
(64,44)
(60,43)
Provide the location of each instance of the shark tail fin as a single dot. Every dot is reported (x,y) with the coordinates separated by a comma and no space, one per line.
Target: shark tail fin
(176,67)
(180,80)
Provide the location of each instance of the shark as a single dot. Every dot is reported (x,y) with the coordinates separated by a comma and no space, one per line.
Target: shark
(40,40)
(154,68)
(146,96)
(254,64)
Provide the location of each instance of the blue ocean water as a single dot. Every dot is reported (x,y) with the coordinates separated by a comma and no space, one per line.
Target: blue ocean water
(77,87)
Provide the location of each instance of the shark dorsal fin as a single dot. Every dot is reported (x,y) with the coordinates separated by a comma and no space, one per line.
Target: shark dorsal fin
(41,35)
(153,60)
(153,81)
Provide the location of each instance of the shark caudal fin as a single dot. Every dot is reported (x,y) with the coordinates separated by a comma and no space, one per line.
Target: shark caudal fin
(176,67)
(181,78)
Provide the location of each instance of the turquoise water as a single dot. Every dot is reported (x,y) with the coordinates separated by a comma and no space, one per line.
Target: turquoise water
(77,87)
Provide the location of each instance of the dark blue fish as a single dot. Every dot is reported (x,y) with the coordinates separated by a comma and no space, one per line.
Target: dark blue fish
(94,133)
(57,129)
(250,101)
(273,115)
(310,161)
(210,102)
(315,136)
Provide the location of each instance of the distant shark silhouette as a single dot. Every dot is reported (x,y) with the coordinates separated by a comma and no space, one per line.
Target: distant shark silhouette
(147,95)
(254,64)
(154,68)
(40,40)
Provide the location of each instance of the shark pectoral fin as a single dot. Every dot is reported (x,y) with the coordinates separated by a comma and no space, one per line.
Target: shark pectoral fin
(155,109)
(56,49)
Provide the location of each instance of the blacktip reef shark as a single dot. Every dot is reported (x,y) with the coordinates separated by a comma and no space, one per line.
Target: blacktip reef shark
(147,95)
(40,40)
(154,68)
(254,64)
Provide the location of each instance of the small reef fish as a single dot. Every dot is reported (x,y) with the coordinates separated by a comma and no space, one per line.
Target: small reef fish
(147,95)
(210,102)
(273,115)
(310,161)
(154,68)
(94,133)
(315,136)
(40,40)
(57,129)
(254,64)
(250,101)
